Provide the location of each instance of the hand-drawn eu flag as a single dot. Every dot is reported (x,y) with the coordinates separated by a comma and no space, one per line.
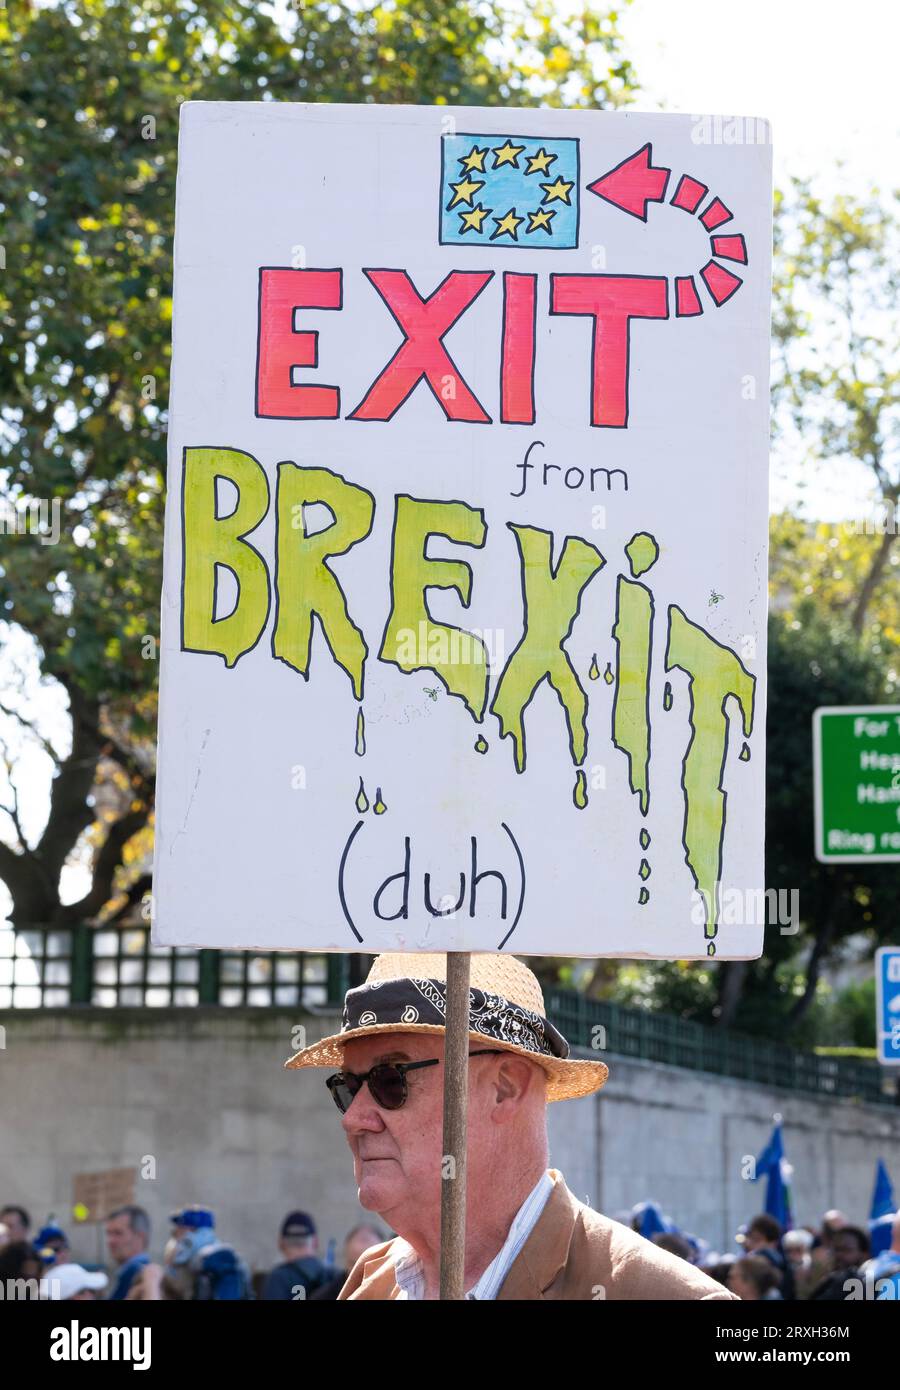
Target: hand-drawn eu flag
(508,190)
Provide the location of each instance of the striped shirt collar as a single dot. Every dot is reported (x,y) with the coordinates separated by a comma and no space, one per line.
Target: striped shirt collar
(409,1271)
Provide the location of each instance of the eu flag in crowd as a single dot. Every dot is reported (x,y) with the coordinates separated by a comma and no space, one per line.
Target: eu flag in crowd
(881,1218)
(508,190)
(772,1165)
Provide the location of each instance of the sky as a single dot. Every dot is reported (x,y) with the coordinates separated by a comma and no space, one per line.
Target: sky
(823,74)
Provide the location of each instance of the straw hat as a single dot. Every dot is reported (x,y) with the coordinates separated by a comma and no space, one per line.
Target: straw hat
(407,993)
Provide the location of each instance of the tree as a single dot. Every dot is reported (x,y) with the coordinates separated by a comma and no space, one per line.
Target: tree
(814,660)
(836,328)
(88,127)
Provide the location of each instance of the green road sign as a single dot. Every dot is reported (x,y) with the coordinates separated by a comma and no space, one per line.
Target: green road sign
(856,765)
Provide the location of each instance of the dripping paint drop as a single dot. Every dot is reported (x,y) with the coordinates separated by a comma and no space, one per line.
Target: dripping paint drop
(481,744)
(360,732)
(379,808)
(644,896)
(579,795)
(745,753)
(667,696)
(608,674)
(643,552)
(594,672)
(362,801)
(711,949)
(644,870)
(645,837)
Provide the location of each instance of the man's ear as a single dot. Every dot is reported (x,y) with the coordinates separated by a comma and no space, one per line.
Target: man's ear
(516,1077)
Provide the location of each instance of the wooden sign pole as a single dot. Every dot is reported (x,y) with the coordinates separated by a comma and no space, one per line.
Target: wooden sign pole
(456,1096)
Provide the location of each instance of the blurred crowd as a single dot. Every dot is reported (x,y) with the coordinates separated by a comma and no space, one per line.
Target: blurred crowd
(195,1262)
(829,1262)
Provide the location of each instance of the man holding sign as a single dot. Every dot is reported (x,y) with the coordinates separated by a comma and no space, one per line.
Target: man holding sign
(527,1237)
(463,630)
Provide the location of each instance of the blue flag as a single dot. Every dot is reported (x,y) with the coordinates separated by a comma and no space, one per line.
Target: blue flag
(881,1218)
(772,1165)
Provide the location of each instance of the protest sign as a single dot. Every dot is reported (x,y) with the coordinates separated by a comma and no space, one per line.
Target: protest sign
(463,631)
(96,1195)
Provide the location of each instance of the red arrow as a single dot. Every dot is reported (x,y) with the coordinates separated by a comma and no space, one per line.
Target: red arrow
(633,184)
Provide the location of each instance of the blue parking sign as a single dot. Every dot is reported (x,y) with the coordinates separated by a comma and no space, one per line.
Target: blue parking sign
(887,989)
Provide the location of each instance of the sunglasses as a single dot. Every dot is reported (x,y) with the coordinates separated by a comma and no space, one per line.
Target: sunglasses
(387,1082)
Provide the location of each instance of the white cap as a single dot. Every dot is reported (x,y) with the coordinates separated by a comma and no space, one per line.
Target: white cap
(64,1281)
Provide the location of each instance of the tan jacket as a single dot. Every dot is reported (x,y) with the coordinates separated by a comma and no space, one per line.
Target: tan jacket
(574,1253)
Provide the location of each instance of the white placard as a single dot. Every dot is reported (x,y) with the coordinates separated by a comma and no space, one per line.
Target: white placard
(463,632)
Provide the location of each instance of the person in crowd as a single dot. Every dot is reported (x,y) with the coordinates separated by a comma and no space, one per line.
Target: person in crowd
(302,1271)
(530,1237)
(882,1272)
(198,1264)
(753,1278)
(20,1270)
(833,1221)
(17,1223)
(849,1248)
(797,1246)
(820,1259)
(149,1285)
(127,1239)
(676,1245)
(52,1244)
(719,1267)
(763,1238)
(356,1243)
(70,1282)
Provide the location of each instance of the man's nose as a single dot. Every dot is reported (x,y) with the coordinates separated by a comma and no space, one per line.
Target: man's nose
(362,1114)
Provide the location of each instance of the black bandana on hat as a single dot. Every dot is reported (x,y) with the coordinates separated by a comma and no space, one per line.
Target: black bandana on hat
(425,1001)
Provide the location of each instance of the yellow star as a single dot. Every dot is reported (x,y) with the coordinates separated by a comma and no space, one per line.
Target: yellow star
(474,160)
(507,154)
(472,221)
(560,189)
(541,220)
(507,225)
(539,163)
(464,191)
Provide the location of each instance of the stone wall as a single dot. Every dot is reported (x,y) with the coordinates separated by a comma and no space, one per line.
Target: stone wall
(204,1094)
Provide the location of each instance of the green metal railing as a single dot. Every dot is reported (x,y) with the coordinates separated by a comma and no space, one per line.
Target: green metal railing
(652,1037)
(119,967)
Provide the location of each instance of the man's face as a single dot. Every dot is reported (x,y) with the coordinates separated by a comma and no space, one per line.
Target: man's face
(294,1249)
(14,1225)
(845,1249)
(753,1240)
(122,1242)
(742,1287)
(397,1153)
